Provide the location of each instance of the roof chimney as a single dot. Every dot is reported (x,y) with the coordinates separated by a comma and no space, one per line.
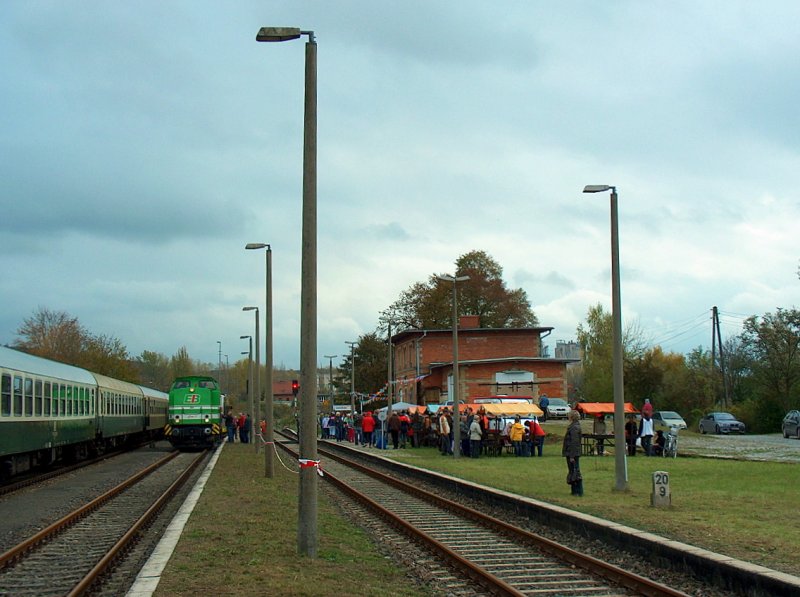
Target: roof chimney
(469,321)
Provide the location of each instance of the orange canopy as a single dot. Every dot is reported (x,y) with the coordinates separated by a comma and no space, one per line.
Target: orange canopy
(603,408)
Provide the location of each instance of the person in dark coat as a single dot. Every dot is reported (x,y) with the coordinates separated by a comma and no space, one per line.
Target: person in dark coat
(394,428)
(571,450)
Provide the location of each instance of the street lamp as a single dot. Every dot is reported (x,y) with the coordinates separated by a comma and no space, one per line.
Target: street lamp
(269,437)
(621,465)
(249,373)
(456,409)
(219,361)
(257,414)
(330,358)
(307,507)
(352,376)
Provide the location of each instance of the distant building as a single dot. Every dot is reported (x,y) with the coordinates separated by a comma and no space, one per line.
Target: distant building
(568,350)
(491,361)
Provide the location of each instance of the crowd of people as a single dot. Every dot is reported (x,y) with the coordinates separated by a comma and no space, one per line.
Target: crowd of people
(240,427)
(479,432)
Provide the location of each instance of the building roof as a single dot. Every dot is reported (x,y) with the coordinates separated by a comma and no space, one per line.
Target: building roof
(409,333)
(501,360)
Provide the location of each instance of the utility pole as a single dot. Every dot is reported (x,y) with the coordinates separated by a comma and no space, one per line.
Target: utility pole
(330,358)
(716,336)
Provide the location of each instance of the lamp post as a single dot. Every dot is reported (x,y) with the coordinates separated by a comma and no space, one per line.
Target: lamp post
(621,465)
(249,372)
(257,378)
(456,409)
(219,361)
(352,376)
(330,358)
(307,509)
(269,400)
(389,371)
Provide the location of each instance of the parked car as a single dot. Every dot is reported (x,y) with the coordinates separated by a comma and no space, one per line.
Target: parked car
(720,423)
(557,408)
(791,424)
(667,419)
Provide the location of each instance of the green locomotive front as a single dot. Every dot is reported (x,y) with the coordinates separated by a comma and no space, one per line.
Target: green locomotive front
(195,413)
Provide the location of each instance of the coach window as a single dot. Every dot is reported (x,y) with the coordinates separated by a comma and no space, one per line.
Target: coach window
(47,396)
(37,398)
(28,397)
(5,391)
(17,396)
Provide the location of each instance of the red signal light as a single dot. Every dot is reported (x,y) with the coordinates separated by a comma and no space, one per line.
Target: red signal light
(295,386)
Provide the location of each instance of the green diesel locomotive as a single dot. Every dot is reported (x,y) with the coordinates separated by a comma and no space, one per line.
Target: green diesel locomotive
(195,415)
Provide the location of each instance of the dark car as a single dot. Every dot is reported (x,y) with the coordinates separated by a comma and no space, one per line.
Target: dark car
(720,423)
(791,424)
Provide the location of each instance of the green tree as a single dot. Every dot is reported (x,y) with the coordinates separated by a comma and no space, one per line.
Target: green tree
(154,370)
(108,356)
(181,363)
(428,305)
(371,359)
(597,344)
(773,341)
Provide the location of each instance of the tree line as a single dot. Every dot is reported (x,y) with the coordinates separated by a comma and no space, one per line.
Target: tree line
(58,336)
(761,380)
(761,365)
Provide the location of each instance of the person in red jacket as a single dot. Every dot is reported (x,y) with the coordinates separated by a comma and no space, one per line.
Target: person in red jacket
(537,437)
(367,426)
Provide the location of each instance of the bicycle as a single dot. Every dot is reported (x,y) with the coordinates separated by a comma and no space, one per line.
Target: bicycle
(671,445)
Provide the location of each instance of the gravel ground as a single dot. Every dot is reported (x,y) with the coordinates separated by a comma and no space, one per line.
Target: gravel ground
(771,447)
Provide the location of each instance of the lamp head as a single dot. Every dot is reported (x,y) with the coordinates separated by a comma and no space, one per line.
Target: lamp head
(256,246)
(243,337)
(278,33)
(249,308)
(598,188)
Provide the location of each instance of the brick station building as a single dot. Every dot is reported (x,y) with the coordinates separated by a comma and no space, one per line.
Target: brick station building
(491,361)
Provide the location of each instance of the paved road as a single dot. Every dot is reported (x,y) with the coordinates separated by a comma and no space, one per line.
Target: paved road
(749,447)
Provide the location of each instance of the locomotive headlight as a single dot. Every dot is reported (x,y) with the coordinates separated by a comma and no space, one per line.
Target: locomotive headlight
(208,418)
(177,418)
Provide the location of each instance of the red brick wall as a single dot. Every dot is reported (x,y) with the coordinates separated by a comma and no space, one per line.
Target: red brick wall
(437,347)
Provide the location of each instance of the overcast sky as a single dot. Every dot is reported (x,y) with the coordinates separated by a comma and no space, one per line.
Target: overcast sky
(144,144)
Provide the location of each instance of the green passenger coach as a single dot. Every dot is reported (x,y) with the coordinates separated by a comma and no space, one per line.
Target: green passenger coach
(195,416)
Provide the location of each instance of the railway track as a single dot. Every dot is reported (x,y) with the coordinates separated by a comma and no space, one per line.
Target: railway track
(28,480)
(70,556)
(493,557)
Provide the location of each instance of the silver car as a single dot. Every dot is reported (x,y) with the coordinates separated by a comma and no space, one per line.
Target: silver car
(667,419)
(557,409)
(791,424)
(720,423)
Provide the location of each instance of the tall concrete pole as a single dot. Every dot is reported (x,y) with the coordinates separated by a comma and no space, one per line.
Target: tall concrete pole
(269,448)
(456,401)
(307,515)
(620,461)
(307,510)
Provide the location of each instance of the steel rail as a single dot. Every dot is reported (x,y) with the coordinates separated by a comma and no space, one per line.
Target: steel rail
(475,572)
(16,552)
(642,585)
(107,560)
(619,576)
